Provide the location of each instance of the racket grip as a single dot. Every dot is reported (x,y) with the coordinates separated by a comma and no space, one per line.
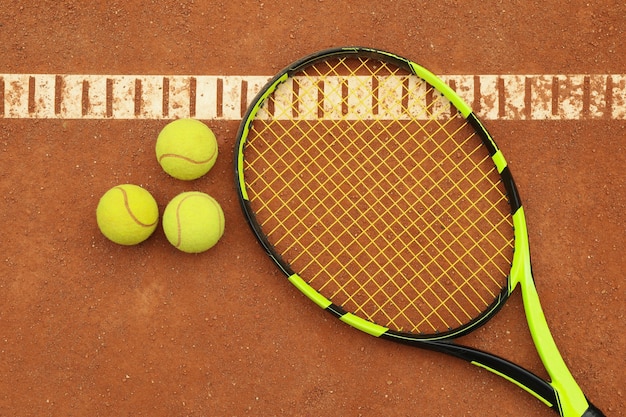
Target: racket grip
(592,411)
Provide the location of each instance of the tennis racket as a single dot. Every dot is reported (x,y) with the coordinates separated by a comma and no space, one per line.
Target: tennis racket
(382,197)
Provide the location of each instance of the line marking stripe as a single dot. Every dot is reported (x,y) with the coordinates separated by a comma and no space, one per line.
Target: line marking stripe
(495,97)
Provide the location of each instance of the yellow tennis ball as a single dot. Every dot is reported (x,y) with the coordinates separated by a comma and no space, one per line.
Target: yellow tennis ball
(193,222)
(186,149)
(127,214)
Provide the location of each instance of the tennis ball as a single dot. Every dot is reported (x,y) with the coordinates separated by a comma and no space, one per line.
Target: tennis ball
(127,214)
(193,222)
(186,149)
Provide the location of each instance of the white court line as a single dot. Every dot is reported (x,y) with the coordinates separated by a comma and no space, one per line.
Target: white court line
(503,97)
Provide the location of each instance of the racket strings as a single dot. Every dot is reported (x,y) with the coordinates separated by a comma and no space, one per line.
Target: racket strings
(401,220)
(400,291)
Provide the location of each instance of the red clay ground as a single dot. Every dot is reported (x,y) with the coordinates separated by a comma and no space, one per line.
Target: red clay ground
(91,328)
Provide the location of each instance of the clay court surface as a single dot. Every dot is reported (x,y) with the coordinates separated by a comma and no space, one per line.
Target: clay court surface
(90,328)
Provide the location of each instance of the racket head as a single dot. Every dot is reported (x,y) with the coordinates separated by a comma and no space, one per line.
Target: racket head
(379,194)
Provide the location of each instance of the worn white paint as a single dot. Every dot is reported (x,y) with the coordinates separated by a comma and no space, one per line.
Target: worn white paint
(503,97)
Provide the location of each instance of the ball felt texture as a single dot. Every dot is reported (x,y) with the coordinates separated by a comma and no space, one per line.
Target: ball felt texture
(186,149)
(127,214)
(193,222)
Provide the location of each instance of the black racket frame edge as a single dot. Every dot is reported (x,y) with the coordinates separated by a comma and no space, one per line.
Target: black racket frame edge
(517,374)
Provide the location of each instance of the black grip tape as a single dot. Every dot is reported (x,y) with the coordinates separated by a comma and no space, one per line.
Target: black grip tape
(592,411)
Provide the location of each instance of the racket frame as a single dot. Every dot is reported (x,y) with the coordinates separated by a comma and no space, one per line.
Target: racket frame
(561,393)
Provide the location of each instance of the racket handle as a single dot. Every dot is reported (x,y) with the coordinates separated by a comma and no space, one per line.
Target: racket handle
(592,411)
